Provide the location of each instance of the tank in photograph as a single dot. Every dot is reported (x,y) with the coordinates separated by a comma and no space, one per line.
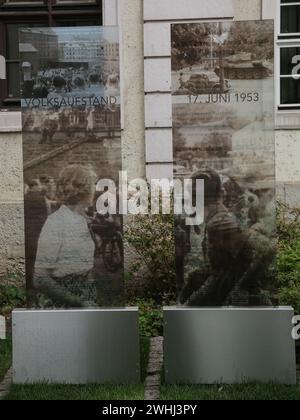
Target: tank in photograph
(207,82)
(241,67)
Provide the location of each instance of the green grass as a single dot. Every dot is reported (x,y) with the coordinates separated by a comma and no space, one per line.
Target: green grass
(46,392)
(84,392)
(260,392)
(5,357)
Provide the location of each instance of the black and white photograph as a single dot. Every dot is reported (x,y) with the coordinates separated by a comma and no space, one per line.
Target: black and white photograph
(223,121)
(69,67)
(71,140)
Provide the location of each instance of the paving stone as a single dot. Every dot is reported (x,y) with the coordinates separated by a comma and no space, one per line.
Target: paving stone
(152,384)
(6,383)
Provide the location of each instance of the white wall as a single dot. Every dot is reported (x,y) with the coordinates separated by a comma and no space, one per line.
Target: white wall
(128,14)
(11,202)
(287,166)
(287,134)
(132,68)
(248,9)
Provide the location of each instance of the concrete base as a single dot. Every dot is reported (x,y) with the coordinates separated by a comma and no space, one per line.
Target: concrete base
(2,328)
(229,345)
(76,346)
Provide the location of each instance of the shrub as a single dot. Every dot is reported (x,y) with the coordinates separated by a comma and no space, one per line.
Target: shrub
(11,297)
(150,317)
(152,237)
(12,292)
(288,222)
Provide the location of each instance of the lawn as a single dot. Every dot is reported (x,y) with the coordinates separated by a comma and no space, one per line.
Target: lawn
(44,392)
(230,392)
(5,357)
(84,392)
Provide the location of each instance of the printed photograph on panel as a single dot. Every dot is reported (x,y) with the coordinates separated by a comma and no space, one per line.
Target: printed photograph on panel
(71,141)
(223,122)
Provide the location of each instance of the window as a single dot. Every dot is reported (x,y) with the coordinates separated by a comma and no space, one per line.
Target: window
(289,55)
(290,17)
(15,14)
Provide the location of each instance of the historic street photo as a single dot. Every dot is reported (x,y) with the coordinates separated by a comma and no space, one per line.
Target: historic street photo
(69,66)
(223,122)
(71,141)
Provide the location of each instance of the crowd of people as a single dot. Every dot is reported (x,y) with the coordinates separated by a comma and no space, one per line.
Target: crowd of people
(61,244)
(238,249)
(69,82)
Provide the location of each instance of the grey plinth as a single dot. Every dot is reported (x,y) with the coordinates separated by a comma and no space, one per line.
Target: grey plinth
(76,346)
(229,345)
(2,328)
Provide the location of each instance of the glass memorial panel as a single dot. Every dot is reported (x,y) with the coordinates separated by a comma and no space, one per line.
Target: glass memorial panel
(70,88)
(223,134)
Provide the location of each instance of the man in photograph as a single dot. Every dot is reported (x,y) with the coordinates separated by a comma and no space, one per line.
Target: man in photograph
(235,262)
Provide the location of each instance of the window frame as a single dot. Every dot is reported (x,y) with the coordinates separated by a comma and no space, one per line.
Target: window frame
(290,34)
(284,40)
(46,10)
(281,45)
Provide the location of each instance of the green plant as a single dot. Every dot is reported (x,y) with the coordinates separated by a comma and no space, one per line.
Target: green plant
(288,222)
(11,297)
(5,356)
(152,237)
(150,317)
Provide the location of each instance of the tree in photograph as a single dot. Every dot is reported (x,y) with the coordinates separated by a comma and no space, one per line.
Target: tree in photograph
(191,44)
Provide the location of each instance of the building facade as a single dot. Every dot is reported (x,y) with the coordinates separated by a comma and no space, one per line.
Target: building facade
(145,52)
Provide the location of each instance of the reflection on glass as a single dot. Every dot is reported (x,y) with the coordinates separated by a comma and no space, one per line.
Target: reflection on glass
(290,19)
(290,91)
(13,80)
(288,60)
